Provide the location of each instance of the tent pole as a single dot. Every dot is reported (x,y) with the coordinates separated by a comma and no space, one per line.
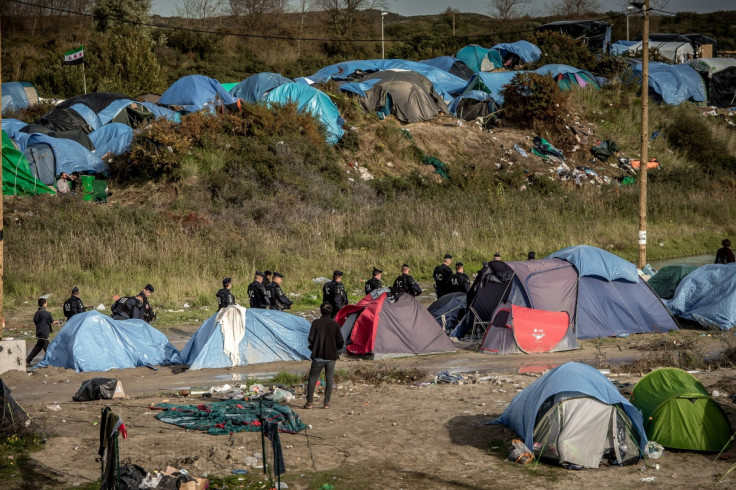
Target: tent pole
(644,140)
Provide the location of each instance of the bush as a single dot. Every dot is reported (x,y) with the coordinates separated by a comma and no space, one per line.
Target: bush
(532,101)
(561,48)
(692,134)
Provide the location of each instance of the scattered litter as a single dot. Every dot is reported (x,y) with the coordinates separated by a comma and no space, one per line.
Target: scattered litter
(282,396)
(654,450)
(54,408)
(446,377)
(100,307)
(521,151)
(320,280)
(649,479)
(239,472)
(520,453)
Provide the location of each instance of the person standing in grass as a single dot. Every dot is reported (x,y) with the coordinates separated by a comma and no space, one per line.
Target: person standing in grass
(279,301)
(406,284)
(374,282)
(460,281)
(442,275)
(257,292)
(74,304)
(725,254)
(325,341)
(43,321)
(334,293)
(224,296)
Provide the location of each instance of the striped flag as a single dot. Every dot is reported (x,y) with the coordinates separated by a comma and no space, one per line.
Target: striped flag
(75,56)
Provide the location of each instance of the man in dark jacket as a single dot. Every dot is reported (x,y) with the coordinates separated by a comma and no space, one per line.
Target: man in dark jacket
(147,313)
(325,341)
(43,321)
(257,292)
(442,275)
(406,284)
(224,296)
(460,281)
(74,304)
(128,307)
(334,293)
(725,254)
(279,301)
(266,278)
(375,282)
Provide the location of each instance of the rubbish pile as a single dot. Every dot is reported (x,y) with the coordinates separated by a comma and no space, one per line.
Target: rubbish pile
(135,477)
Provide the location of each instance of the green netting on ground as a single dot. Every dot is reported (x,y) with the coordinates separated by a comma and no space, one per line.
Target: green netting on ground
(218,418)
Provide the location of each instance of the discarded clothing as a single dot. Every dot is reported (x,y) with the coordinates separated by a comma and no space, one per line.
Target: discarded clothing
(446,377)
(604,150)
(440,167)
(96,389)
(270,429)
(225,417)
(544,149)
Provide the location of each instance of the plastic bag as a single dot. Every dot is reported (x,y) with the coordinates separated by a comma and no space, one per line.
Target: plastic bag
(282,396)
(654,450)
(520,453)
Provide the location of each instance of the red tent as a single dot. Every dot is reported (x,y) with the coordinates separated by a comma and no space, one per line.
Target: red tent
(516,329)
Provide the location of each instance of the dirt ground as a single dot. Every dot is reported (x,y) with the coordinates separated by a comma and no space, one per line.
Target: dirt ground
(387,436)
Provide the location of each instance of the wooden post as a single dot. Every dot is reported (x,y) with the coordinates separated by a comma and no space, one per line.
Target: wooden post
(644,160)
(2,239)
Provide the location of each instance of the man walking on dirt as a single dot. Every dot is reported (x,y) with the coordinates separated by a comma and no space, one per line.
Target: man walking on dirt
(325,341)
(43,321)
(257,292)
(279,301)
(405,283)
(74,304)
(442,275)
(224,296)
(334,293)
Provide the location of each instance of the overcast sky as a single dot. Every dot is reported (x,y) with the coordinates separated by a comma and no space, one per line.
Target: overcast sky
(423,7)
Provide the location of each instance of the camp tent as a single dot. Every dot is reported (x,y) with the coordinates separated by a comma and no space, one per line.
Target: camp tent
(113,138)
(448,310)
(679,413)
(253,336)
(451,65)
(516,329)
(719,76)
(196,92)
(708,296)
(17,177)
(315,102)
(92,341)
(573,414)
(568,77)
(518,53)
(695,39)
(666,280)
(621,48)
(491,83)
(601,293)
(391,325)
(478,58)
(255,87)
(673,84)
(407,95)
(674,51)
(710,66)
(17,96)
(592,33)
(472,104)
(12,415)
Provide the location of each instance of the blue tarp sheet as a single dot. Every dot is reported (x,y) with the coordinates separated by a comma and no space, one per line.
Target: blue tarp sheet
(88,115)
(13,126)
(592,261)
(253,88)
(621,48)
(70,156)
(492,83)
(113,109)
(94,342)
(441,62)
(445,84)
(674,83)
(526,51)
(473,56)
(269,336)
(14,97)
(193,92)
(164,112)
(309,99)
(708,296)
(114,138)
(521,414)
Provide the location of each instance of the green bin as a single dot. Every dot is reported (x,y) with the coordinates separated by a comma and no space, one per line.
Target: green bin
(88,187)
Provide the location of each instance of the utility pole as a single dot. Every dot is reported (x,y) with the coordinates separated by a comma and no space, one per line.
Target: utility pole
(453,22)
(383,45)
(643,161)
(2,238)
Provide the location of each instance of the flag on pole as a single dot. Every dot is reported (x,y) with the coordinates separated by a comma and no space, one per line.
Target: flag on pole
(75,56)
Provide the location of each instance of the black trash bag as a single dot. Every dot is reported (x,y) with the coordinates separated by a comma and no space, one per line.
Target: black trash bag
(96,389)
(604,150)
(131,475)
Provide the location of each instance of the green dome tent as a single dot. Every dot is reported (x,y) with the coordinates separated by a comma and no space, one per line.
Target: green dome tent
(679,413)
(665,282)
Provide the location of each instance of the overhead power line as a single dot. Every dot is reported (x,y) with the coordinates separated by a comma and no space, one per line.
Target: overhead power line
(286,38)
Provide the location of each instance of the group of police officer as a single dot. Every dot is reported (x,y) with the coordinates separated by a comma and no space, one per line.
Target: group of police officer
(124,308)
(264,292)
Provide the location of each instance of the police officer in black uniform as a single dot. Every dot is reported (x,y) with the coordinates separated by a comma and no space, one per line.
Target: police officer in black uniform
(128,307)
(442,275)
(257,292)
(279,301)
(334,293)
(531,255)
(460,281)
(224,296)
(406,284)
(74,304)
(375,282)
(266,279)
(147,312)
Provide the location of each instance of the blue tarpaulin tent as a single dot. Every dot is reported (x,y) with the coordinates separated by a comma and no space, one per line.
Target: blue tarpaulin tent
(451,65)
(13,126)
(708,296)
(253,88)
(194,92)
(566,76)
(309,99)
(112,138)
(269,336)
(66,155)
(478,58)
(162,112)
(92,341)
(577,429)
(611,298)
(526,51)
(674,84)
(491,83)
(17,96)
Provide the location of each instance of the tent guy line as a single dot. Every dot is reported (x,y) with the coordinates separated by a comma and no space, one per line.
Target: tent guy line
(289,38)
